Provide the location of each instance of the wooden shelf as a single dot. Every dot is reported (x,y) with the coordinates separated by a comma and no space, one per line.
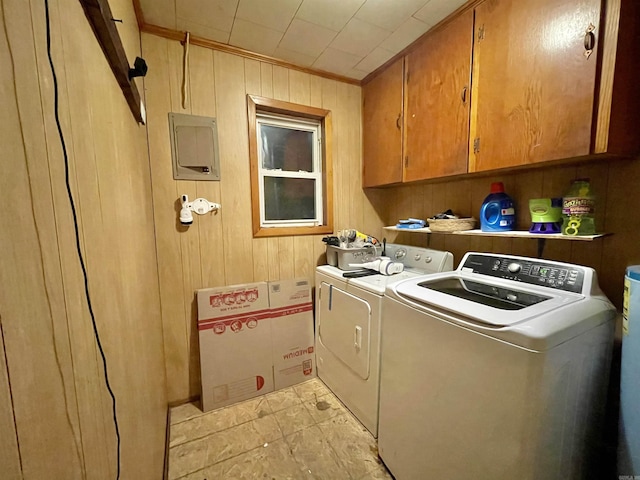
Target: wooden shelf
(512,234)
(410,230)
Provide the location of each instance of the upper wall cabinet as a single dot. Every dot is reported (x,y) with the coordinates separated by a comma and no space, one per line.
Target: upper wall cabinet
(550,80)
(539,93)
(533,83)
(437,100)
(382,128)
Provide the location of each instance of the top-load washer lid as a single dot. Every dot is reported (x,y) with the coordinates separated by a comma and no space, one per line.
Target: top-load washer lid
(491,295)
(532,303)
(494,303)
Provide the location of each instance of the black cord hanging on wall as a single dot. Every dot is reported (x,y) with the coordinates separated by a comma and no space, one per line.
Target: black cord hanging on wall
(77,234)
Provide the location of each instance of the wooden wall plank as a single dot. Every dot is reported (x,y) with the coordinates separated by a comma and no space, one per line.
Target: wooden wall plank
(166,210)
(299,87)
(189,237)
(234,154)
(9,453)
(303,256)
(285,257)
(94,408)
(351,98)
(273,249)
(330,102)
(203,95)
(30,266)
(253,86)
(210,258)
(622,219)
(266,80)
(281,83)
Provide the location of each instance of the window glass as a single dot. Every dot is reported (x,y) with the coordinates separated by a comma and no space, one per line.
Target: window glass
(286,148)
(289,198)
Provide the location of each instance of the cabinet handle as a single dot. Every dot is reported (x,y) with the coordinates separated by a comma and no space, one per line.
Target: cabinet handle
(464,95)
(398,121)
(589,40)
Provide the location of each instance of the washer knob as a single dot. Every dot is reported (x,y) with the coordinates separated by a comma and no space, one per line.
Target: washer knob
(400,254)
(417,257)
(514,267)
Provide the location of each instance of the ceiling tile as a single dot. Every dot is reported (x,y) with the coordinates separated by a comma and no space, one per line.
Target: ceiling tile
(203,31)
(159,12)
(307,38)
(359,37)
(336,61)
(374,60)
(404,35)
(294,57)
(389,14)
(333,14)
(436,10)
(274,14)
(254,37)
(216,14)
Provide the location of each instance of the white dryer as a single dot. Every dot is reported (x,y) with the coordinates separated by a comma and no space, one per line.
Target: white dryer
(348,321)
(497,370)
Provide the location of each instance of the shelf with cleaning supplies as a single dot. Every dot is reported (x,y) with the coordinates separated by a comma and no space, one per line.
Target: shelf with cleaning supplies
(541,237)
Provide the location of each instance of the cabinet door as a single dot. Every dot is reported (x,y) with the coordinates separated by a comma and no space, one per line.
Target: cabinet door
(382,127)
(437,102)
(533,86)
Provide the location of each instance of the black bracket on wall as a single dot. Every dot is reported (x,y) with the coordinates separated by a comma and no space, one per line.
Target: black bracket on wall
(103,24)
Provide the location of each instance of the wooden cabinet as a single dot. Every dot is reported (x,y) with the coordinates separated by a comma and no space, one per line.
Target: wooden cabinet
(533,85)
(437,100)
(382,127)
(538,96)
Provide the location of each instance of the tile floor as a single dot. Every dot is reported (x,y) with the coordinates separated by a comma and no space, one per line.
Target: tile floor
(296,433)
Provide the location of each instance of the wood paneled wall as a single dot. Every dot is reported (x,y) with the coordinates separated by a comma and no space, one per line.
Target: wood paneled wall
(617,213)
(55,412)
(219,249)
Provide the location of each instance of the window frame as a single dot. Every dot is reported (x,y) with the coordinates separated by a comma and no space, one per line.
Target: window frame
(260,105)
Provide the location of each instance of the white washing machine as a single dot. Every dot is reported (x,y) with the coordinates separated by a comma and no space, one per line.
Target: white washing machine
(497,370)
(348,320)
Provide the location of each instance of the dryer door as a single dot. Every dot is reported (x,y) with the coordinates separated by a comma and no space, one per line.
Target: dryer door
(344,324)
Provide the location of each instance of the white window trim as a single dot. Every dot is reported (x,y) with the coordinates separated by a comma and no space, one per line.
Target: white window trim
(292,122)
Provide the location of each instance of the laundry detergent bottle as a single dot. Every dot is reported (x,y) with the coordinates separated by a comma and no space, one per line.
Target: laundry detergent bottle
(497,213)
(578,209)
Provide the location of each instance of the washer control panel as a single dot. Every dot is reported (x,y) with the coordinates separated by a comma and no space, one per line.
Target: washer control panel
(423,259)
(565,277)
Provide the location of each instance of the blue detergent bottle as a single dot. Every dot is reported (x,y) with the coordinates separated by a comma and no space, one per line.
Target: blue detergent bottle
(497,213)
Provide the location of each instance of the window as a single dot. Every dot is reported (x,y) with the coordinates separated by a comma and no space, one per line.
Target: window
(290,168)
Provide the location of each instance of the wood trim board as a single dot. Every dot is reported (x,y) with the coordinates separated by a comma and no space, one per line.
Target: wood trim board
(100,17)
(206,43)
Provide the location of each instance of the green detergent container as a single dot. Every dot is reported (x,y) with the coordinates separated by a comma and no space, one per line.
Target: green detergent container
(578,207)
(546,215)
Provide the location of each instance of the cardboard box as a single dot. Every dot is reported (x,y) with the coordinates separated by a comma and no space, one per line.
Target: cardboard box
(291,307)
(235,343)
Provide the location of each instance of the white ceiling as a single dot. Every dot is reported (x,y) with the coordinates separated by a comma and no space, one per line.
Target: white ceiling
(347,37)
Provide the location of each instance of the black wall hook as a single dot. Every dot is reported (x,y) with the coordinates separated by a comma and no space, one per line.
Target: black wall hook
(139,68)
